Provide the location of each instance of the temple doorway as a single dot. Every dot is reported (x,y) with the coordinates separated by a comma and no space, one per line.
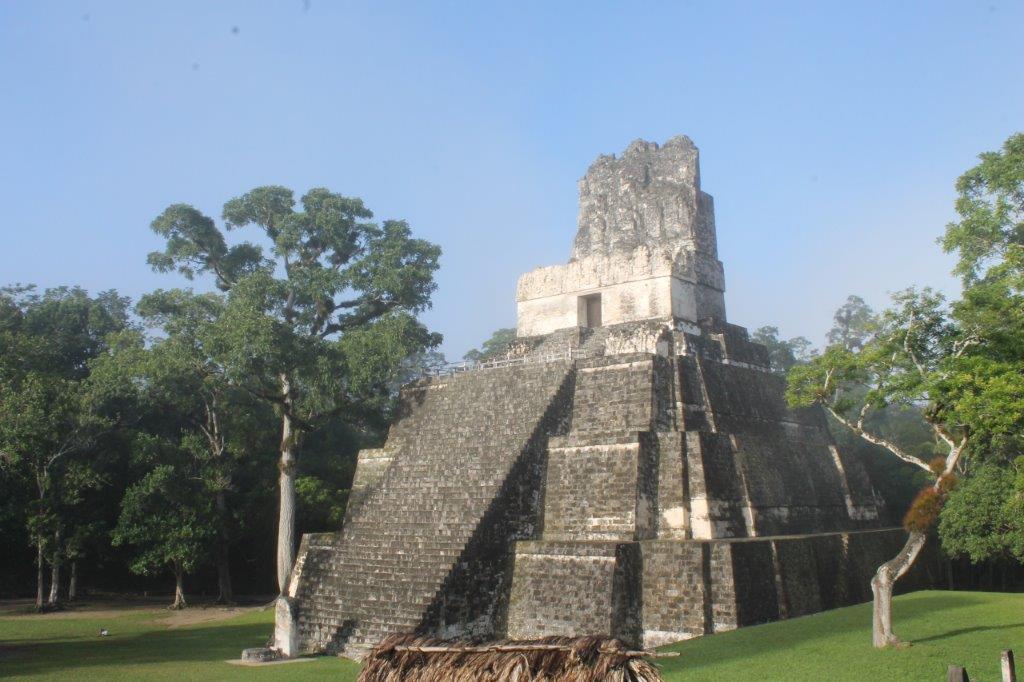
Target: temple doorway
(590,310)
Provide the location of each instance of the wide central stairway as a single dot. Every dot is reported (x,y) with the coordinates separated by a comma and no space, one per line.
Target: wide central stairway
(433,510)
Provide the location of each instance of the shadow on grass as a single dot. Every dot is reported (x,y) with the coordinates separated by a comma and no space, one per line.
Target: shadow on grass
(967,631)
(194,645)
(758,640)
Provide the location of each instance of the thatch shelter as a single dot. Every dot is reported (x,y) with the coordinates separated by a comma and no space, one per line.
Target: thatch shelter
(410,658)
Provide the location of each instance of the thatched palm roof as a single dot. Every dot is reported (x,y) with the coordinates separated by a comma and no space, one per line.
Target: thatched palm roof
(409,658)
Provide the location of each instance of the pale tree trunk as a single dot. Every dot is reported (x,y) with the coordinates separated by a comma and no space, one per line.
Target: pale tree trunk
(286,518)
(882,586)
(888,573)
(40,543)
(225,595)
(54,583)
(40,574)
(55,572)
(73,582)
(179,588)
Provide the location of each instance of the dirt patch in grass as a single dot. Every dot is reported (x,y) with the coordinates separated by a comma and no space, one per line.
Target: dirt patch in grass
(201,614)
(114,607)
(92,608)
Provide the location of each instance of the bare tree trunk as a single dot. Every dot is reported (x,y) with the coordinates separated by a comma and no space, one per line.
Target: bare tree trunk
(40,574)
(882,586)
(55,571)
(286,518)
(225,595)
(73,582)
(54,583)
(179,588)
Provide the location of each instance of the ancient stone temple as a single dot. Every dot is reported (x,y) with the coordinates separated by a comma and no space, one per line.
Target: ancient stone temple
(630,468)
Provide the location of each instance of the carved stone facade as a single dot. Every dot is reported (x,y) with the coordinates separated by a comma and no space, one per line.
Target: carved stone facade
(650,483)
(646,246)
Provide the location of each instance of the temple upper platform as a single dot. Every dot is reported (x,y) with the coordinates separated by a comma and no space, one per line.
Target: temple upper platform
(645,248)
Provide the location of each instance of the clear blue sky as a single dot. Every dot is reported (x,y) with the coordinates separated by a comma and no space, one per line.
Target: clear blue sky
(831,133)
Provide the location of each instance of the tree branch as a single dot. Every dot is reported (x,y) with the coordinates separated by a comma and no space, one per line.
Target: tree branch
(909,351)
(858,429)
(961,346)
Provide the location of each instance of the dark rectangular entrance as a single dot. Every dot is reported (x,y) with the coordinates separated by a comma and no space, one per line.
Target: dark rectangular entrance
(590,310)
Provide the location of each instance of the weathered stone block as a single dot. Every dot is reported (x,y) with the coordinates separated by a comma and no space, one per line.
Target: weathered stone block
(286,630)
(574,588)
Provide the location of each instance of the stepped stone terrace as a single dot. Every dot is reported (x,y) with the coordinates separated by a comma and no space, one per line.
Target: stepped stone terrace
(628,468)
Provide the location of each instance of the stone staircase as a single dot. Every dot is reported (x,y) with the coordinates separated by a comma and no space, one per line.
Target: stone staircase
(450,483)
(586,341)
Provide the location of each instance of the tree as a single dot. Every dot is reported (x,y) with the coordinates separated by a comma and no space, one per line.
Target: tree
(318,328)
(897,482)
(852,324)
(47,425)
(41,425)
(782,354)
(167,514)
(416,366)
(982,518)
(174,380)
(961,364)
(988,240)
(913,359)
(493,347)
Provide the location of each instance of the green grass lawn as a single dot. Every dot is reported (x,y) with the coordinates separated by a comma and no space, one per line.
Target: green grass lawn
(967,628)
(140,648)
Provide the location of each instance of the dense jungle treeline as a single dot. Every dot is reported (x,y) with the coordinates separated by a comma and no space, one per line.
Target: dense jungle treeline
(219,512)
(68,323)
(186,439)
(181,443)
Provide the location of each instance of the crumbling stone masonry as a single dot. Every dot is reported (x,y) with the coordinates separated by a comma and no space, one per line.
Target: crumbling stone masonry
(633,470)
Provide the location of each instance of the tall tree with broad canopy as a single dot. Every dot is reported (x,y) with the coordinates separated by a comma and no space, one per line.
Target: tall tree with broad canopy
(317,326)
(962,364)
(48,427)
(174,380)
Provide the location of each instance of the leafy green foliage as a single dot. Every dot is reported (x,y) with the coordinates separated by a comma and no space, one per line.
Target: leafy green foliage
(493,347)
(165,516)
(897,481)
(320,327)
(988,240)
(989,237)
(983,517)
(319,505)
(914,359)
(960,363)
(50,428)
(783,354)
(332,309)
(852,324)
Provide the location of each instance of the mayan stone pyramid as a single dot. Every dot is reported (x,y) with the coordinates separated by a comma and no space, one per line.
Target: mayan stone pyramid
(630,468)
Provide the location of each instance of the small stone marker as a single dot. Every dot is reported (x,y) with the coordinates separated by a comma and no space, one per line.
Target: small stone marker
(286,627)
(957,673)
(260,654)
(1009,670)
